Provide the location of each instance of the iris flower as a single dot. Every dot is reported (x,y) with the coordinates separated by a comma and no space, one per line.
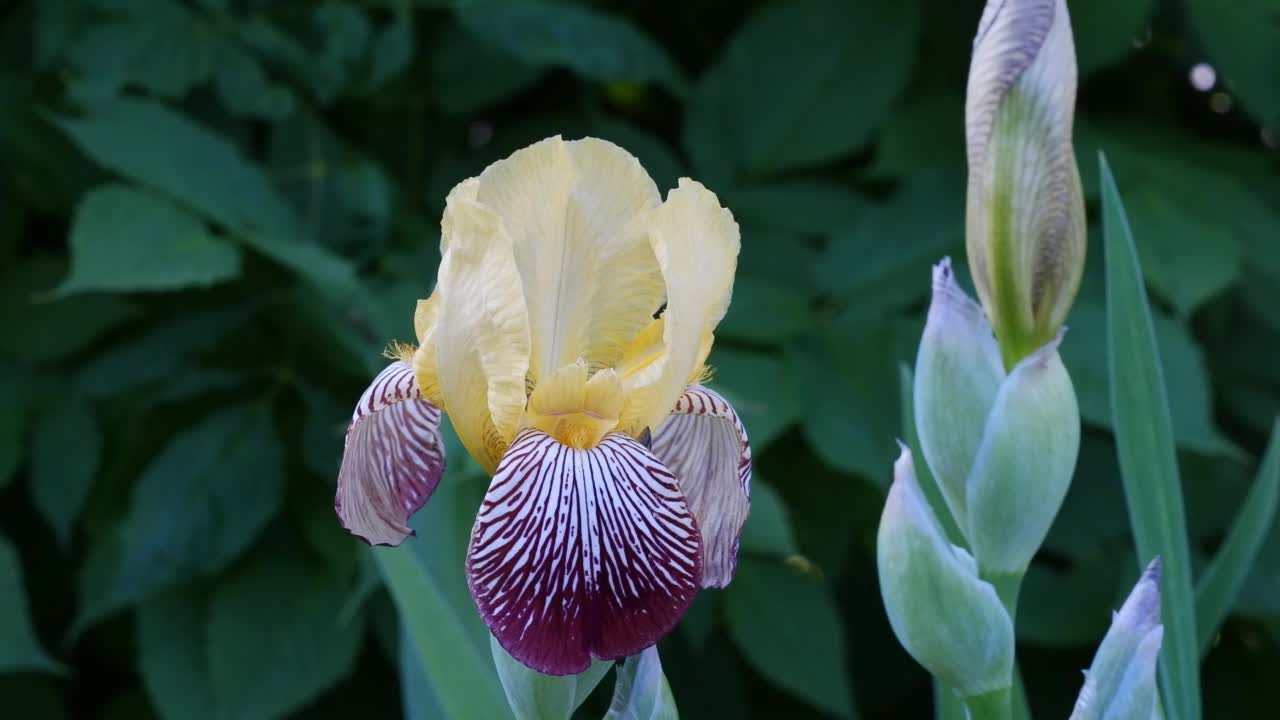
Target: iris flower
(567,340)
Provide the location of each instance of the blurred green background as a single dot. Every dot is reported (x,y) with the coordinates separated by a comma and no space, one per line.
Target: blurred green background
(214,214)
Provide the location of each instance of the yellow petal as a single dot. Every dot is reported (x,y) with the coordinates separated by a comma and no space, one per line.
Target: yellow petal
(424,358)
(481,336)
(577,412)
(576,213)
(696,243)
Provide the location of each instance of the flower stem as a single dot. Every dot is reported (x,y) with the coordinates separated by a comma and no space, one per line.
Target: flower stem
(994,705)
(1009,703)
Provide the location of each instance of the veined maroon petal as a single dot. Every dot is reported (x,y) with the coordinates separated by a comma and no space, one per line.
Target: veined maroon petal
(582,553)
(705,445)
(393,458)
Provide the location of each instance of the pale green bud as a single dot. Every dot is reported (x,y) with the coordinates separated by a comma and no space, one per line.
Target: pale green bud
(947,618)
(1002,446)
(958,373)
(1025,224)
(1024,465)
(1121,682)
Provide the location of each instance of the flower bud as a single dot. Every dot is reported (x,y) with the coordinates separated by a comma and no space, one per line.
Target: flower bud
(1121,682)
(1025,225)
(1002,446)
(950,621)
(958,373)
(1025,463)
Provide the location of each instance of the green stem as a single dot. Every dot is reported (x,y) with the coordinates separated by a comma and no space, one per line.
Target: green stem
(1009,703)
(990,706)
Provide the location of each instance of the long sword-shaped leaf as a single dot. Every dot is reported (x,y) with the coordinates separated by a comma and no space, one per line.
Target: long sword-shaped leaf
(1221,581)
(1144,443)
(428,586)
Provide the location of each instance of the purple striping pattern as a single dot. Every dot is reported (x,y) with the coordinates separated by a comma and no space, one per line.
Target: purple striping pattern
(393,458)
(582,553)
(705,446)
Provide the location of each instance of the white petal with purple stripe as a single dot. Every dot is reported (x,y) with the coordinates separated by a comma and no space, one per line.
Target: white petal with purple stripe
(393,458)
(705,446)
(578,554)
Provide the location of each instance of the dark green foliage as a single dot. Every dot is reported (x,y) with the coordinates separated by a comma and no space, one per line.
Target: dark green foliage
(215,213)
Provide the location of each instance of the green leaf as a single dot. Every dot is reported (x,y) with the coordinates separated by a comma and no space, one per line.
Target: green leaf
(1242,38)
(263,642)
(124,239)
(120,133)
(419,696)
(469,74)
(921,135)
(1105,33)
(1221,581)
(1148,463)
(277,636)
(761,390)
(1186,258)
(534,696)
(642,692)
(159,46)
(19,648)
(768,528)
(243,85)
(592,44)
(882,259)
(393,46)
(1182,362)
(427,582)
(163,349)
(41,329)
(790,631)
(173,657)
(809,81)
(766,312)
(66,446)
(196,507)
(807,206)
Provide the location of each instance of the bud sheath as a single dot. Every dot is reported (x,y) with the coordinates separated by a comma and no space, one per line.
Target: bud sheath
(1025,225)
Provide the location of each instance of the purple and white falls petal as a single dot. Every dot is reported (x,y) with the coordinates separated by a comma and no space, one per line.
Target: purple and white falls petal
(393,458)
(705,446)
(581,554)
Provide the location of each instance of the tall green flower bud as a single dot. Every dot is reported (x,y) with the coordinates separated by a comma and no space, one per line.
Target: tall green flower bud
(1121,682)
(1025,225)
(949,619)
(1002,446)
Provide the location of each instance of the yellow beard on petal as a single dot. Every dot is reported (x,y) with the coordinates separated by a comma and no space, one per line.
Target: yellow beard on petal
(576,411)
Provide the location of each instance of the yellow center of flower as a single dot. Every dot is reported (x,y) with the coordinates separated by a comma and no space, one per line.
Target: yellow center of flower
(576,410)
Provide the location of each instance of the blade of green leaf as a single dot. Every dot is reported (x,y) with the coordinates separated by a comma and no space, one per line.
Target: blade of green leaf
(1144,444)
(66,446)
(1218,586)
(790,630)
(427,583)
(534,696)
(124,239)
(19,647)
(642,692)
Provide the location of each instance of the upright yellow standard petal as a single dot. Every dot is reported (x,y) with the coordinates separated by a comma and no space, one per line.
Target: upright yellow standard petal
(576,213)
(481,337)
(696,243)
(424,358)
